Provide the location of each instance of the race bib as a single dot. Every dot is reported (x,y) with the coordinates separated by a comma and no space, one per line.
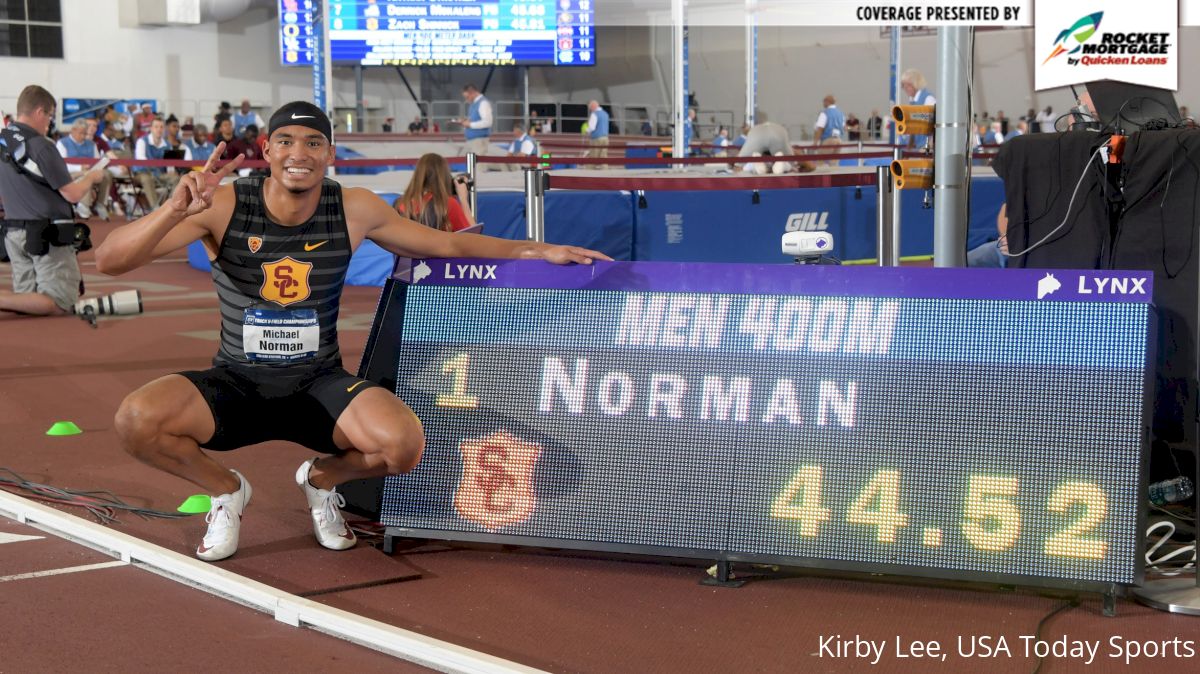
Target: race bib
(280,336)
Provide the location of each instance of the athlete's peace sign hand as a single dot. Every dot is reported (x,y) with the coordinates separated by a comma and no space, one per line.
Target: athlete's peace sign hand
(195,190)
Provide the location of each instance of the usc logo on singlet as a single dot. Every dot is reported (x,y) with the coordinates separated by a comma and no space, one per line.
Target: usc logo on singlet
(285,281)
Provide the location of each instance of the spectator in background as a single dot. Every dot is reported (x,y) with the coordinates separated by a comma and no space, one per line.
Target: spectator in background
(874,126)
(244,117)
(152,146)
(1020,129)
(110,116)
(722,142)
(830,127)
(1044,121)
(93,132)
(172,131)
(647,128)
(224,134)
(541,125)
(387,124)
(144,120)
(428,198)
(993,135)
(127,121)
(176,145)
(689,130)
(912,81)
(597,131)
(78,145)
(417,125)
(200,145)
(223,110)
(523,145)
(185,129)
(1003,123)
(477,125)
(247,145)
(853,129)
(114,136)
(741,139)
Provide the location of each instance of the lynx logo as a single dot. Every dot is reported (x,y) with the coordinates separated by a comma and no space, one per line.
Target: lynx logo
(421,271)
(808,222)
(496,488)
(1047,285)
(1112,286)
(471,271)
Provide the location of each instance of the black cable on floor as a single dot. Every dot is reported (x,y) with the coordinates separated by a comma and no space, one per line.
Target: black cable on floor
(1038,633)
(103,505)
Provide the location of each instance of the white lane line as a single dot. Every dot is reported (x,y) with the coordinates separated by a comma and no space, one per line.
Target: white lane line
(59,572)
(17,538)
(286,608)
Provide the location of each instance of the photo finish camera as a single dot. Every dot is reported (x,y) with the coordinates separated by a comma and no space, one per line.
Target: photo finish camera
(809,247)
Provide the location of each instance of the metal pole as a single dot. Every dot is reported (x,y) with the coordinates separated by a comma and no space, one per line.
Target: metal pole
(525,97)
(359,109)
(535,205)
(751,61)
(321,85)
(896,205)
(894,82)
(883,217)
(679,87)
(860,148)
(472,173)
(951,154)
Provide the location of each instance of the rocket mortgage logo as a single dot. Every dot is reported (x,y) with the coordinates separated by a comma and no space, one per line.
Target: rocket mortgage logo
(1071,40)
(1114,40)
(1114,49)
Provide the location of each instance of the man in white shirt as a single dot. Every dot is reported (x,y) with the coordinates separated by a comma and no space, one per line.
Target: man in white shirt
(1045,120)
(477,125)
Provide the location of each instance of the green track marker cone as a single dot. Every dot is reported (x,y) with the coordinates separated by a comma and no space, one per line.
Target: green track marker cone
(196,503)
(64,428)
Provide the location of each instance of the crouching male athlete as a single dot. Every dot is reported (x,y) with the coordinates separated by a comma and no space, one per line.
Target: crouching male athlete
(282,246)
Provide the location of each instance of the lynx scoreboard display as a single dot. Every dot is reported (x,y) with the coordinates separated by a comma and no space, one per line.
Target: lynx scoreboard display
(445,32)
(977,424)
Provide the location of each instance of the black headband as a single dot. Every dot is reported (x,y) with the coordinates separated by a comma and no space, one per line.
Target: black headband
(301,113)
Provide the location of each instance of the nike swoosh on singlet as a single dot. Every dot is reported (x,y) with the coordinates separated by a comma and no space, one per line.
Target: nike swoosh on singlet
(356,385)
(295,116)
(308,248)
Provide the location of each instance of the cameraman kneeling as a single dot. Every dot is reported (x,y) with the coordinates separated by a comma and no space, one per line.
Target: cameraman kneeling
(39,228)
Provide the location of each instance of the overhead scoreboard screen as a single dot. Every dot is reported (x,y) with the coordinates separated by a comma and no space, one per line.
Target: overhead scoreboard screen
(978,424)
(443,32)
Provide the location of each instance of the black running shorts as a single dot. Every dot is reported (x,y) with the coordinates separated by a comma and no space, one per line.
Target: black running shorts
(300,404)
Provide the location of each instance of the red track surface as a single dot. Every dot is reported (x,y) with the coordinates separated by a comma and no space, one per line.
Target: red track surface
(574,613)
